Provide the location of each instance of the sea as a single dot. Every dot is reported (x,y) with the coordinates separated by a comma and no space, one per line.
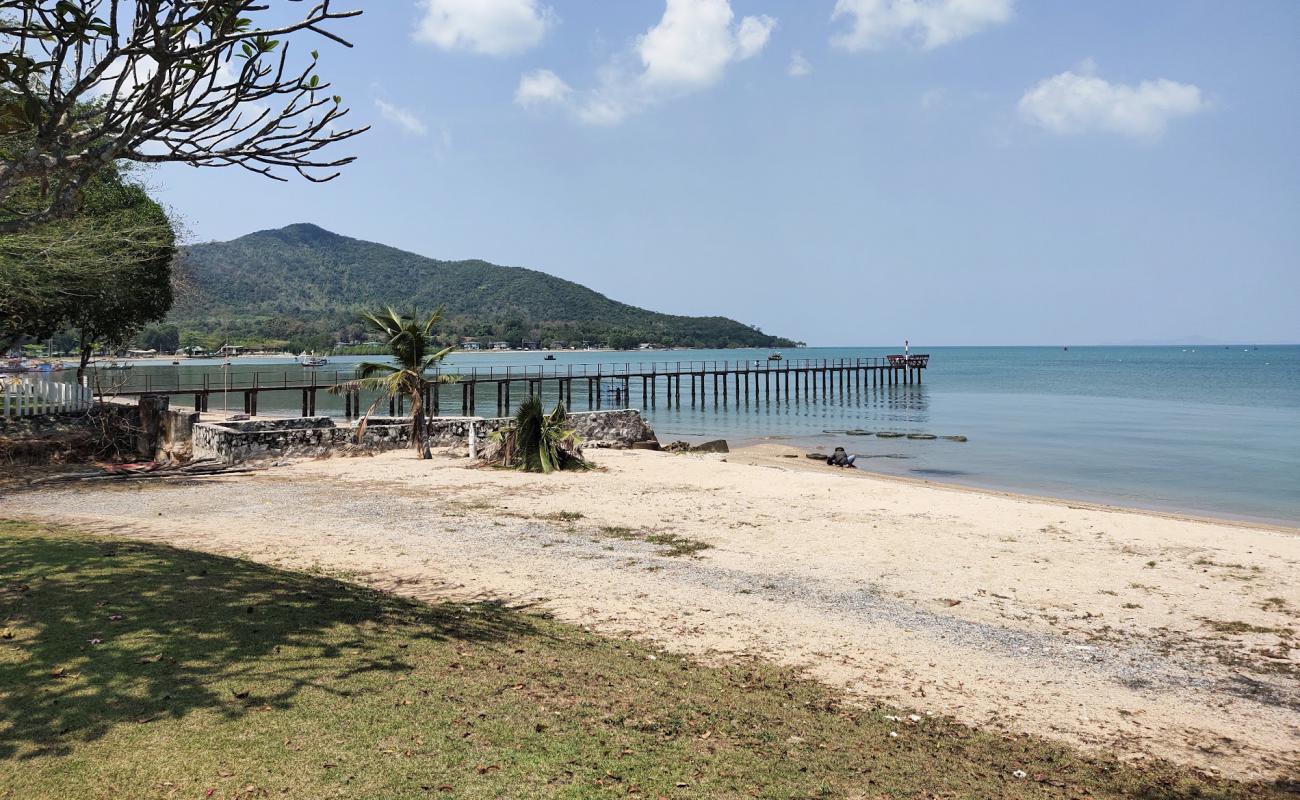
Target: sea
(1210,430)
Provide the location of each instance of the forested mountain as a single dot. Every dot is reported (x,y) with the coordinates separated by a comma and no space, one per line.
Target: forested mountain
(303,285)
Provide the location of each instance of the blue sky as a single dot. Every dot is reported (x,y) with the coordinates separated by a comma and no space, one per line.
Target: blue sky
(838,171)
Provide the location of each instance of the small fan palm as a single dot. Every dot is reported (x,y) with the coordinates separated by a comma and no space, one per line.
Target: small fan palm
(408,339)
(541,442)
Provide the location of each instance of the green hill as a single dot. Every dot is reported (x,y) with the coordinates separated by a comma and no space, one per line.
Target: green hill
(304,286)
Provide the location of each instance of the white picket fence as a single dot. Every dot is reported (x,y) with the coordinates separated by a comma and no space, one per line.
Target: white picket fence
(28,397)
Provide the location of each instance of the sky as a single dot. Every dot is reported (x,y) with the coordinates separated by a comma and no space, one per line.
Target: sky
(843,172)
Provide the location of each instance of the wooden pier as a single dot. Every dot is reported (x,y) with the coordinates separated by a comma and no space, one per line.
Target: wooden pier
(722,384)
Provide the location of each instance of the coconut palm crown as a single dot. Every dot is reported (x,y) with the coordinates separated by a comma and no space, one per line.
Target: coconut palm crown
(409,340)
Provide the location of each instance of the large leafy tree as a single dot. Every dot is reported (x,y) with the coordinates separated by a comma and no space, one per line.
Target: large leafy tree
(410,340)
(105,272)
(86,83)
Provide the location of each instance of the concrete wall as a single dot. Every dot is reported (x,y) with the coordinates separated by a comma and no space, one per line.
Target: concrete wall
(176,440)
(235,442)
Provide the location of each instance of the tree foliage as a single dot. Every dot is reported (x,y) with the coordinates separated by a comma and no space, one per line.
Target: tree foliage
(86,83)
(105,272)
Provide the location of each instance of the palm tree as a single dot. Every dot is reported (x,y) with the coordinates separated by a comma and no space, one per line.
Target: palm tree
(408,339)
(540,442)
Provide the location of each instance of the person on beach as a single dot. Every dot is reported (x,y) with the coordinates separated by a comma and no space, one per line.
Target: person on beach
(840,458)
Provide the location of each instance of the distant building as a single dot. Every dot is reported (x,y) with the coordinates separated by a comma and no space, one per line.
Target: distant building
(530,345)
(501,345)
(471,344)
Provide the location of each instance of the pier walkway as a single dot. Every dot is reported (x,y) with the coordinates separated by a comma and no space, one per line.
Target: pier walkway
(726,383)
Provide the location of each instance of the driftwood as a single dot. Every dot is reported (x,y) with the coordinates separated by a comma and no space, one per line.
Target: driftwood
(195,469)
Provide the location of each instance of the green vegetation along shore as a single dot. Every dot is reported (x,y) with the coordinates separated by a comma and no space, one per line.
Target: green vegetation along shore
(301,287)
(129,668)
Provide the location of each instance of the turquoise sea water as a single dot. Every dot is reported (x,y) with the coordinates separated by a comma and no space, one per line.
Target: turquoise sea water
(1205,429)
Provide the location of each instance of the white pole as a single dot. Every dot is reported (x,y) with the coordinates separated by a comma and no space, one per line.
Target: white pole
(473,439)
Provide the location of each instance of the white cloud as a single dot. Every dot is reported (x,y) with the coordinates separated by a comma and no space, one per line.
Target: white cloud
(695,41)
(689,49)
(541,86)
(1078,103)
(933,98)
(404,119)
(799,66)
(927,23)
(491,27)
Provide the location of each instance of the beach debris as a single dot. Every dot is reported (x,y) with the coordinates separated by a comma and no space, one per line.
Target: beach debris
(890,434)
(922,436)
(822,456)
(1020,773)
(148,470)
(857,432)
(957,438)
(714,446)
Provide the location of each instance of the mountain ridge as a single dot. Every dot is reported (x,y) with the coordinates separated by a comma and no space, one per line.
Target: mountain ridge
(305,286)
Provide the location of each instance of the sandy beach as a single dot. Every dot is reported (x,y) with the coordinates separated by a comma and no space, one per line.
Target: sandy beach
(1135,633)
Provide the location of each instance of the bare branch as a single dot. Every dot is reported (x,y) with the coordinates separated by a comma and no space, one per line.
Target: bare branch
(188,81)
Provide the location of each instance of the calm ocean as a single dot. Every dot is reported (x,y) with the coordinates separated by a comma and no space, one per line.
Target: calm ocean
(1205,429)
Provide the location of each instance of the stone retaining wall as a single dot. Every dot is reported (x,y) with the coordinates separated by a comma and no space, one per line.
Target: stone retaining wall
(252,440)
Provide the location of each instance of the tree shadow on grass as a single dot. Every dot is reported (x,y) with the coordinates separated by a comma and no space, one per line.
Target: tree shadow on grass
(100,633)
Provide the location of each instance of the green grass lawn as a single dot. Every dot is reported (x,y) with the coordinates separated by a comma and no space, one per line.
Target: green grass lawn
(132,670)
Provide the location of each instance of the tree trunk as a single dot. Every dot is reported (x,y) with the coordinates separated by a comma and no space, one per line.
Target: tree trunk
(86,350)
(417,422)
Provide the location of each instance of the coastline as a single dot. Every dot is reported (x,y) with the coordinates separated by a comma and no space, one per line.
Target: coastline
(772,455)
(1102,627)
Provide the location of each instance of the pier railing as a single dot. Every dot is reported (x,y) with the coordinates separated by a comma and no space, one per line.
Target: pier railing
(790,379)
(235,379)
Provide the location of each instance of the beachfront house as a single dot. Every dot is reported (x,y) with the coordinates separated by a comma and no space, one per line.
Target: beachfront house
(471,344)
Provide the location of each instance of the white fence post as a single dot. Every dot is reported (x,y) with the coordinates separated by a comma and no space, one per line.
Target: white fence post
(29,397)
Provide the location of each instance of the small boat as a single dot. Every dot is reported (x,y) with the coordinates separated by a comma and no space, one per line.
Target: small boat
(774,356)
(116,365)
(549,357)
(312,360)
